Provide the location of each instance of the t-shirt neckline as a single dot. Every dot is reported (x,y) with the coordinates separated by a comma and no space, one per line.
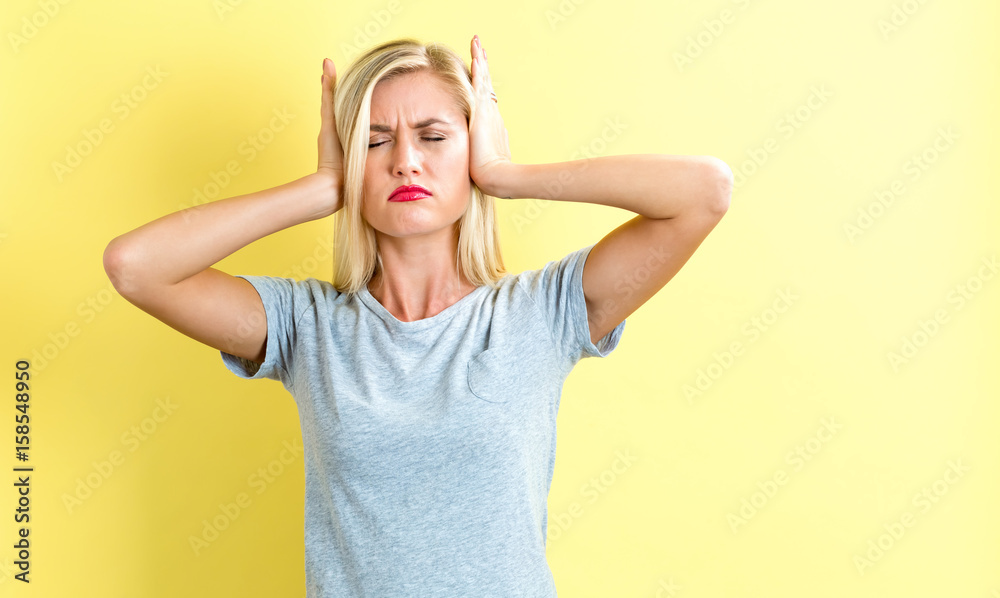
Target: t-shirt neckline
(396,324)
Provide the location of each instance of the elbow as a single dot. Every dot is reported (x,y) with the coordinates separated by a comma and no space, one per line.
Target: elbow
(719,185)
(118,258)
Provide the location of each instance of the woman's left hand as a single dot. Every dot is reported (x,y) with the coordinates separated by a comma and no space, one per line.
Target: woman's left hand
(489,152)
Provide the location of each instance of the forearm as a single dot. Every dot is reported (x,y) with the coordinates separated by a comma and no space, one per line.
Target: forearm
(652,185)
(179,245)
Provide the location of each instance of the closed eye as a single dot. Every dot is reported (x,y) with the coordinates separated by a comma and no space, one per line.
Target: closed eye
(371,145)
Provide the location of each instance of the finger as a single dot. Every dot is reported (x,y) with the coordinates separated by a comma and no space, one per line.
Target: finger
(325,85)
(474,50)
(481,55)
(331,72)
(329,79)
(477,46)
(329,75)
(484,66)
(479,67)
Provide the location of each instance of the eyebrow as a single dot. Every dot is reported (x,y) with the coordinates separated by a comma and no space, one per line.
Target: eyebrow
(420,125)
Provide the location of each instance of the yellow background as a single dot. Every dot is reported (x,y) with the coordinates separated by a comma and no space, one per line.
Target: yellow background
(563,70)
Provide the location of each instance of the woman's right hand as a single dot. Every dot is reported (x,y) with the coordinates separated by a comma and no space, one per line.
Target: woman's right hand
(331,153)
(165,266)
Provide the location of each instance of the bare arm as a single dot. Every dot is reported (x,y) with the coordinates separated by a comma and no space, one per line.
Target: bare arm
(164,267)
(678,199)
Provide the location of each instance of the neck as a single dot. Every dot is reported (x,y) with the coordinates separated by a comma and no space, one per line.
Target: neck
(418,278)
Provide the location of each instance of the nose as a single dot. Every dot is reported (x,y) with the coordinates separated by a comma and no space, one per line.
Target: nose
(406,157)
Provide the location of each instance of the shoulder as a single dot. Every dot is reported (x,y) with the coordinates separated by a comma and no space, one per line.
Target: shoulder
(556,274)
(308,286)
(296,297)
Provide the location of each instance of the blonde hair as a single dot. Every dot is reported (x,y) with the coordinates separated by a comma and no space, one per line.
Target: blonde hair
(356,256)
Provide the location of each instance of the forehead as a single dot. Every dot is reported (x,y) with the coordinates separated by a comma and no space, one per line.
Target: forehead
(412,98)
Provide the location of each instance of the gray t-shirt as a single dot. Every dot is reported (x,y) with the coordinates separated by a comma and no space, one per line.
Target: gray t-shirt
(429,446)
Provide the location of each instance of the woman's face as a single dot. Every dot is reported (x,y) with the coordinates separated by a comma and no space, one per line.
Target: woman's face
(418,136)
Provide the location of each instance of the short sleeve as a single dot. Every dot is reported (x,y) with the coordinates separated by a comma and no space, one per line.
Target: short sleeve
(282,299)
(557,291)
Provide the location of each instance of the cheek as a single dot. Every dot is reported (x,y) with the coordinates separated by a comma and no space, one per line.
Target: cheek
(459,155)
(369,183)
(367,192)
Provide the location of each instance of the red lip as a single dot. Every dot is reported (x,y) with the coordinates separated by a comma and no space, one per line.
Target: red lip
(409,193)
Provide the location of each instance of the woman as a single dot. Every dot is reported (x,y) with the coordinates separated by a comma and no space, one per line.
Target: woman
(427,380)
